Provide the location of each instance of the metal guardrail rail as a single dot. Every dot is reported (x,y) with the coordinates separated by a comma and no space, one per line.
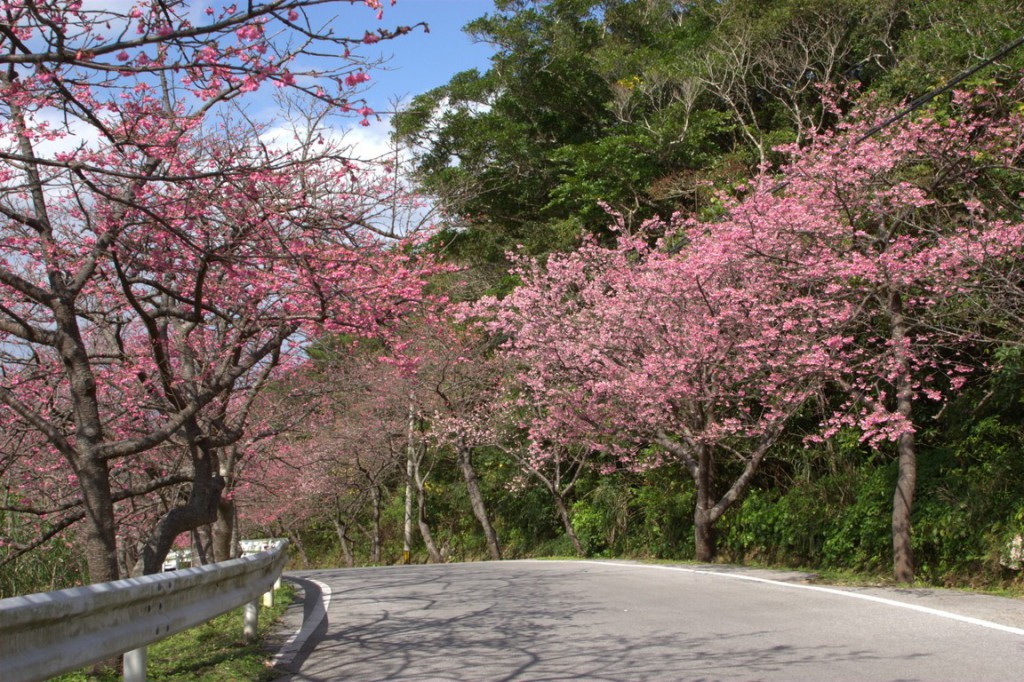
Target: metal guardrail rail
(46,634)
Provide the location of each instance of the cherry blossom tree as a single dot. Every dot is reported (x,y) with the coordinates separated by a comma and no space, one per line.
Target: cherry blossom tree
(160,261)
(337,466)
(836,271)
(424,401)
(652,357)
(458,365)
(558,468)
(884,239)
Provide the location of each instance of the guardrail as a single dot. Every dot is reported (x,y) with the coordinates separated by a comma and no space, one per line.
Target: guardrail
(46,634)
(182,558)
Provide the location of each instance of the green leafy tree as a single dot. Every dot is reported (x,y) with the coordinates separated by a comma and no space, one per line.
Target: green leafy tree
(585,102)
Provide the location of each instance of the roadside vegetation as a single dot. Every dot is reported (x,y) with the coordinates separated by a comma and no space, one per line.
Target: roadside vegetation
(598,117)
(698,285)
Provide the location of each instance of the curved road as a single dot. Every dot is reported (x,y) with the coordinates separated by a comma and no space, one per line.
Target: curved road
(576,620)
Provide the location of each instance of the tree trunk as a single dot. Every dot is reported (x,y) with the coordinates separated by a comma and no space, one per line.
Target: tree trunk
(202,546)
(476,499)
(428,538)
(699,461)
(236,538)
(341,530)
(563,513)
(410,467)
(224,531)
(704,536)
(200,510)
(98,533)
(703,521)
(902,506)
(906,480)
(225,528)
(375,536)
(124,562)
(296,542)
(416,456)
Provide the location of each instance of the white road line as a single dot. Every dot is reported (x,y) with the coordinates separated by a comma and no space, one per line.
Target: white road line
(294,644)
(842,593)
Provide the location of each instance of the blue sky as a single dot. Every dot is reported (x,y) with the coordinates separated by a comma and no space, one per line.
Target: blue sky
(421,61)
(417,62)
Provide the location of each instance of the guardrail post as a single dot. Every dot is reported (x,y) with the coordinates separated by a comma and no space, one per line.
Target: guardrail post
(135,665)
(251,619)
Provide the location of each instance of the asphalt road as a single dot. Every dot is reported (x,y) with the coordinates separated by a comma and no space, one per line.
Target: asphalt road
(541,620)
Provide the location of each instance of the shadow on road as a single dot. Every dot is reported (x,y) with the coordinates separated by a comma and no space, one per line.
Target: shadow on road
(491,622)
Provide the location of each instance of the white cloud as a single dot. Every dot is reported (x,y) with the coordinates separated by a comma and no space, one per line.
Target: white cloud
(372,141)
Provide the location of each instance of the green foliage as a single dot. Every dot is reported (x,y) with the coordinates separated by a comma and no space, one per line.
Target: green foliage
(635,103)
(54,566)
(859,535)
(825,507)
(639,104)
(558,547)
(664,504)
(941,38)
(591,525)
(332,350)
(772,527)
(626,514)
(524,516)
(586,102)
(968,507)
(450,514)
(319,544)
(975,506)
